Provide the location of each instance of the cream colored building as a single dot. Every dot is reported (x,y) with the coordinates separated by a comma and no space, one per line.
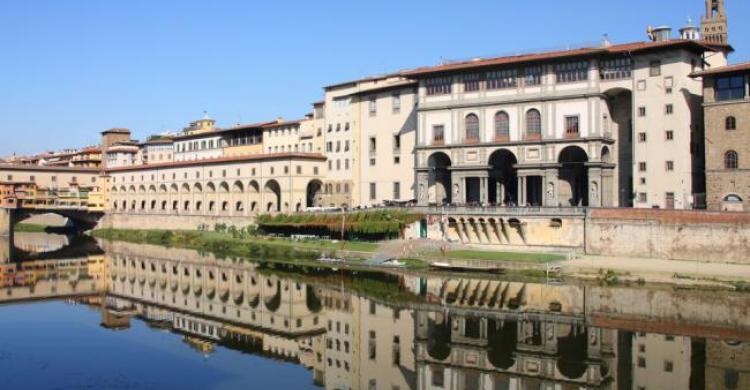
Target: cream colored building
(615,125)
(385,155)
(236,186)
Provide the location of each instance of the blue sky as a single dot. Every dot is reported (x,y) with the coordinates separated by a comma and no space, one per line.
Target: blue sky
(71,69)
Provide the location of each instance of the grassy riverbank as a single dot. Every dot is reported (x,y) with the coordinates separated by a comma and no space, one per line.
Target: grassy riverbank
(29,228)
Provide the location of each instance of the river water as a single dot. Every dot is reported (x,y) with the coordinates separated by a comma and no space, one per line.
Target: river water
(77,314)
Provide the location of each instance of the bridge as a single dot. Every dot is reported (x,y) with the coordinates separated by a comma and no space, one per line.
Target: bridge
(24,200)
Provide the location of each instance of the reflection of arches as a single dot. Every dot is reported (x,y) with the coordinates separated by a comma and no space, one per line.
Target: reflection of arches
(272,194)
(313,302)
(438,343)
(572,351)
(573,176)
(313,193)
(439,181)
(503,177)
(502,341)
(274,302)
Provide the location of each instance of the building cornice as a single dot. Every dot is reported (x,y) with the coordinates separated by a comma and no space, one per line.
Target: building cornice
(222,160)
(510,99)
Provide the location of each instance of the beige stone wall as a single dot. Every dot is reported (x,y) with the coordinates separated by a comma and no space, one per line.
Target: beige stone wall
(663,234)
(170,222)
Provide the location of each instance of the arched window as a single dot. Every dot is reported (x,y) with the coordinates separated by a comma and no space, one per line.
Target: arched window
(731,123)
(502,126)
(731,160)
(472,128)
(533,123)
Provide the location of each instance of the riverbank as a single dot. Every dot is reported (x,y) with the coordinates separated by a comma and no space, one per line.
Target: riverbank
(417,255)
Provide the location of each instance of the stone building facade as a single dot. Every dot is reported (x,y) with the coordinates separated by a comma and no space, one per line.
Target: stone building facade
(727,123)
(608,126)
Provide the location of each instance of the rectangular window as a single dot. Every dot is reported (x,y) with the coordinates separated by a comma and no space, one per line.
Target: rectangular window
(641,111)
(730,88)
(346,145)
(572,71)
(373,192)
(438,134)
(438,86)
(668,85)
(286,170)
(299,169)
(346,164)
(338,165)
(616,69)
(669,135)
(373,106)
(397,160)
(668,366)
(571,126)
(643,180)
(669,165)
(642,198)
(669,109)
(338,146)
(502,79)
(654,68)
(641,166)
(532,75)
(641,137)
(396,143)
(396,191)
(315,171)
(396,102)
(438,376)
(372,162)
(372,145)
(472,82)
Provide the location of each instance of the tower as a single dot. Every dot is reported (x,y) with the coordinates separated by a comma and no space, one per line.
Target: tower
(714,23)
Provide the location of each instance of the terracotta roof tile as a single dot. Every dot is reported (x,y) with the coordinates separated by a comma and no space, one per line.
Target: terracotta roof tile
(562,54)
(742,67)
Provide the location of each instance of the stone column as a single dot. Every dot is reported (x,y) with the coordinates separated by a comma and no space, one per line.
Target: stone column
(483,190)
(550,187)
(595,187)
(7,220)
(521,190)
(457,182)
(423,185)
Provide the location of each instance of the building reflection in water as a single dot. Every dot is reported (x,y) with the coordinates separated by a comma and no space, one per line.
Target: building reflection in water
(435,332)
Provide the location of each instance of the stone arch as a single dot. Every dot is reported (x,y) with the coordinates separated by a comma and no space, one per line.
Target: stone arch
(141,189)
(272,194)
(573,176)
(185,188)
(253,186)
(237,186)
(210,187)
(503,177)
(471,128)
(439,182)
(197,187)
(313,193)
(173,188)
(223,187)
(163,188)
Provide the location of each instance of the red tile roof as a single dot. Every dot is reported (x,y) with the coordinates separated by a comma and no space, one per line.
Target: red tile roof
(553,55)
(736,68)
(221,160)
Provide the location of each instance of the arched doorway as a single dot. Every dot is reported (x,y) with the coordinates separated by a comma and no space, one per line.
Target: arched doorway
(573,177)
(314,192)
(272,195)
(503,178)
(440,178)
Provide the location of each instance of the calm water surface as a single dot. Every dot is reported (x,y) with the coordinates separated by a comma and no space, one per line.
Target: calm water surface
(74,315)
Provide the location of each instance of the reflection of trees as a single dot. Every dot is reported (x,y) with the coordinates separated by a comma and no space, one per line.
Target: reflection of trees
(438,343)
(502,337)
(313,302)
(573,351)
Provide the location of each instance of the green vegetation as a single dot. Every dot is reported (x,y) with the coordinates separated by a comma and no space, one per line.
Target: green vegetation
(223,240)
(29,228)
(499,256)
(379,223)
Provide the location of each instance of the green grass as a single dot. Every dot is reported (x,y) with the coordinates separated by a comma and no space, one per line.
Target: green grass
(467,254)
(29,228)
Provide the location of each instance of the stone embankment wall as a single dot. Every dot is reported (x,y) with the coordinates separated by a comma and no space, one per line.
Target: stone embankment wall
(170,222)
(669,234)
